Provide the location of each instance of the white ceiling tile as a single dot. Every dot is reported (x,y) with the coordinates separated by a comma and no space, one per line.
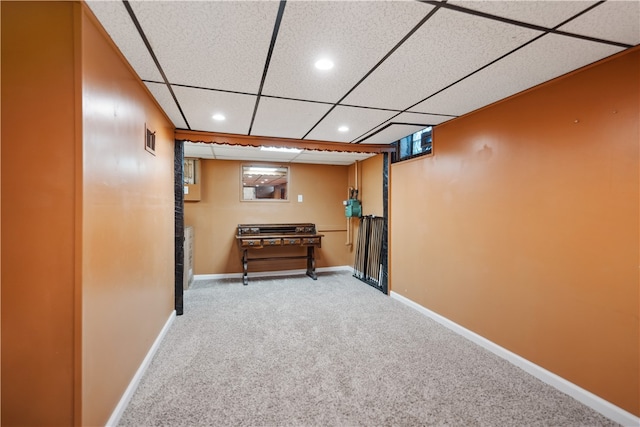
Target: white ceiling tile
(324,155)
(223,45)
(200,105)
(223,150)
(238,152)
(275,156)
(430,119)
(614,20)
(199,150)
(391,133)
(355,35)
(400,126)
(543,60)
(331,158)
(254,154)
(324,162)
(212,44)
(286,118)
(247,157)
(116,21)
(448,47)
(360,156)
(358,120)
(164,98)
(544,13)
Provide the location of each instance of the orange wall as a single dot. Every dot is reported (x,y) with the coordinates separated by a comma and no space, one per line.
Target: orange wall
(0,238)
(87,218)
(523,227)
(369,184)
(127,224)
(216,216)
(39,148)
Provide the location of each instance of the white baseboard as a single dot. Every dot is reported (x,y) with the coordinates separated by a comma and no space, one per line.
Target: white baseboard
(270,273)
(585,397)
(133,385)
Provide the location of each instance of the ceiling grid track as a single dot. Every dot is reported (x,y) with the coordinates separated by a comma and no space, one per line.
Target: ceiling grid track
(286,98)
(450,85)
(399,68)
(386,126)
(366,135)
(274,37)
(384,58)
(154,57)
(553,30)
(235,92)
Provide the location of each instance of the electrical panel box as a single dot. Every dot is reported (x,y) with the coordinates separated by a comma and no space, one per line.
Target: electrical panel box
(352,208)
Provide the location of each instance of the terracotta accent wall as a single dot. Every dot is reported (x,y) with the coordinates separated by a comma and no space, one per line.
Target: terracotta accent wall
(523,226)
(127,224)
(39,148)
(216,216)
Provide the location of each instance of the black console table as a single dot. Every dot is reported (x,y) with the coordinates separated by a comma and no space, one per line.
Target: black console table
(259,236)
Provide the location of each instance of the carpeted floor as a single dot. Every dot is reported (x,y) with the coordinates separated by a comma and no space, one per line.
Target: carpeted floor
(333,352)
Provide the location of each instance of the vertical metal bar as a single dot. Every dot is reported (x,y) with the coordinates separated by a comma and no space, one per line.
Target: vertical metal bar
(368,265)
(178,159)
(366,234)
(365,240)
(374,257)
(379,248)
(361,249)
(371,249)
(384,254)
(357,255)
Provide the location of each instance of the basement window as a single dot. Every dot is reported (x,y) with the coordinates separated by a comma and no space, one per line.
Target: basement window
(417,144)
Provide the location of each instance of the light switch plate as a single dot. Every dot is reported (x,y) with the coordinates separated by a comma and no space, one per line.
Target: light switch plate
(299,198)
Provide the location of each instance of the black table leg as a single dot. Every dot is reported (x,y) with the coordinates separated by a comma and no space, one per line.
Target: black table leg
(245,278)
(311,263)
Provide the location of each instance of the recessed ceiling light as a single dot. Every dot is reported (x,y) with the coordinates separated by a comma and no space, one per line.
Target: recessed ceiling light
(343,128)
(218,117)
(324,64)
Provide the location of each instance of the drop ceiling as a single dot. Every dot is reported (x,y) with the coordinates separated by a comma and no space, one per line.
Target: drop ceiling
(399,66)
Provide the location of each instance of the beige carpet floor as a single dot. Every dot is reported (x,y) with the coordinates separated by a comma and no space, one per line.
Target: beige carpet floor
(333,352)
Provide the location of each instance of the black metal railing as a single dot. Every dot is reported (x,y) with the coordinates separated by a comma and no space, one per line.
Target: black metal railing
(369,262)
